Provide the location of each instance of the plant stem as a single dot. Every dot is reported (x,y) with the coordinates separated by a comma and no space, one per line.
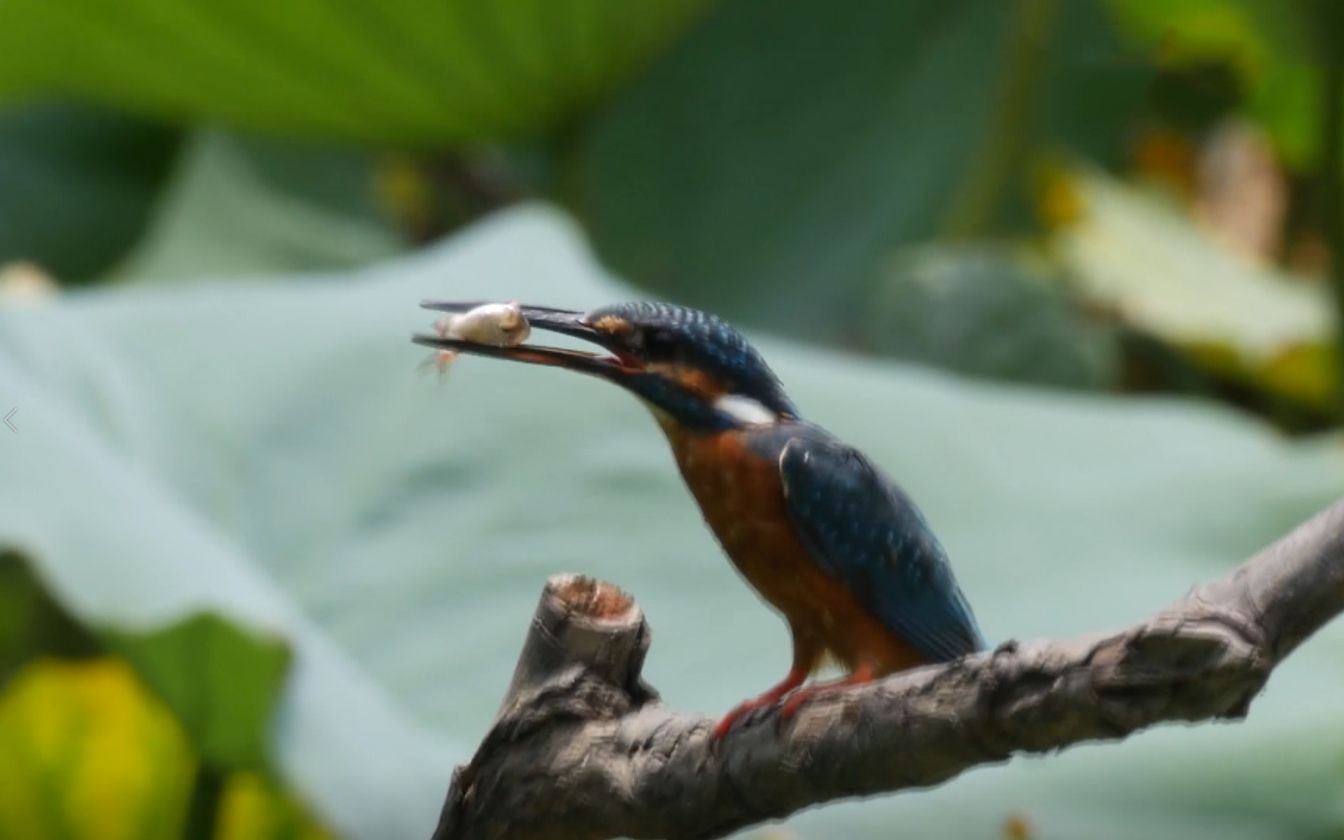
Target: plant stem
(203,810)
(1332,189)
(1323,22)
(1005,138)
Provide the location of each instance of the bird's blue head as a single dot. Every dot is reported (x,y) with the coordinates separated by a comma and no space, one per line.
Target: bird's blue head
(689,366)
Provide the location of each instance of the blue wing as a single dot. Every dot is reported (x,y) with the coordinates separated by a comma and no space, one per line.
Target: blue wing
(866,532)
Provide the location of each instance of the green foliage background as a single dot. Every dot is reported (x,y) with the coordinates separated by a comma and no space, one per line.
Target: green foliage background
(258,578)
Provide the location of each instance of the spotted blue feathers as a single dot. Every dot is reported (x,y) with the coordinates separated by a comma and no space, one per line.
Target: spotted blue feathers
(861,528)
(703,341)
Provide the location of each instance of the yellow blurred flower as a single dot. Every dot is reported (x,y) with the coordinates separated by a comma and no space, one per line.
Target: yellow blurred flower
(89,753)
(254,809)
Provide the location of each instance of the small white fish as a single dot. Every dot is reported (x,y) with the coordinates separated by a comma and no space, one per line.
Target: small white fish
(497,324)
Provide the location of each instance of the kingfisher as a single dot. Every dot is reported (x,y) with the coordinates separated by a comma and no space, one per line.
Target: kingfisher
(821,533)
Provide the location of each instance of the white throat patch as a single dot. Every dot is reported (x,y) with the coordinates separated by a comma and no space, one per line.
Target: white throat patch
(745,410)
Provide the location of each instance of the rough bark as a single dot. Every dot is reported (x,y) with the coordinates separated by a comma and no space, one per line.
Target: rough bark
(582,748)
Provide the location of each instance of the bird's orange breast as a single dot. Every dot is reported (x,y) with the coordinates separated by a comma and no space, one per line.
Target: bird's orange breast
(742,498)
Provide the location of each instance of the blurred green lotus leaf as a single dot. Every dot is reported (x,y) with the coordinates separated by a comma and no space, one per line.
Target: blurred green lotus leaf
(405,72)
(77,185)
(248,205)
(1267,43)
(87,194)
(769,162)
(220,683)
(985,310)
(264,452)
(1148,264)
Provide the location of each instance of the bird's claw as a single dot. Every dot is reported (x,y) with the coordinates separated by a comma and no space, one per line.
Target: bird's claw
(797,699)
(737,713)
(794,702)
(767,700)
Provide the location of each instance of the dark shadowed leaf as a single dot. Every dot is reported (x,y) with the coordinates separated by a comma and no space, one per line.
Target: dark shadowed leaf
(77,186)
(776,155)
(982,310)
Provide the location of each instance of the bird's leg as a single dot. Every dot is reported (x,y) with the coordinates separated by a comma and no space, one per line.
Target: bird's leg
(805,655)
(862,674)
(769,698)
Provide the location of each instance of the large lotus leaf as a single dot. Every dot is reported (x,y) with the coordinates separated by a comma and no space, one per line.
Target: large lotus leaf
(779,152)
(409,71)
(266,453)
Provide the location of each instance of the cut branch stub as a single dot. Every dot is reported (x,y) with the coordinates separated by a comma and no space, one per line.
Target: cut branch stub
(580,623)
(582,661)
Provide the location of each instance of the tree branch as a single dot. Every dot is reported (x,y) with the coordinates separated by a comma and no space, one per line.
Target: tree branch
(582,748)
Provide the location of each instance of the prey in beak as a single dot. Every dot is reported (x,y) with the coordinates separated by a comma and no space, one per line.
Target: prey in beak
(482,328)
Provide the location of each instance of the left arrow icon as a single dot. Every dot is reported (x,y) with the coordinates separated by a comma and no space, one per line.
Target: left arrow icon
(9,419)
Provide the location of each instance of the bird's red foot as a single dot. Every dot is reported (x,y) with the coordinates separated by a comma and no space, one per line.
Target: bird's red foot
(861,675)
(769,698)
(740,711)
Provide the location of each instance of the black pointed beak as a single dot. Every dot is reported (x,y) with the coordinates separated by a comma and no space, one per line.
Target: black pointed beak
(610,365)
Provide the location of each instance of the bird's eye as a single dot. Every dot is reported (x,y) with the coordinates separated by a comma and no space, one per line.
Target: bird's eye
(659,344)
